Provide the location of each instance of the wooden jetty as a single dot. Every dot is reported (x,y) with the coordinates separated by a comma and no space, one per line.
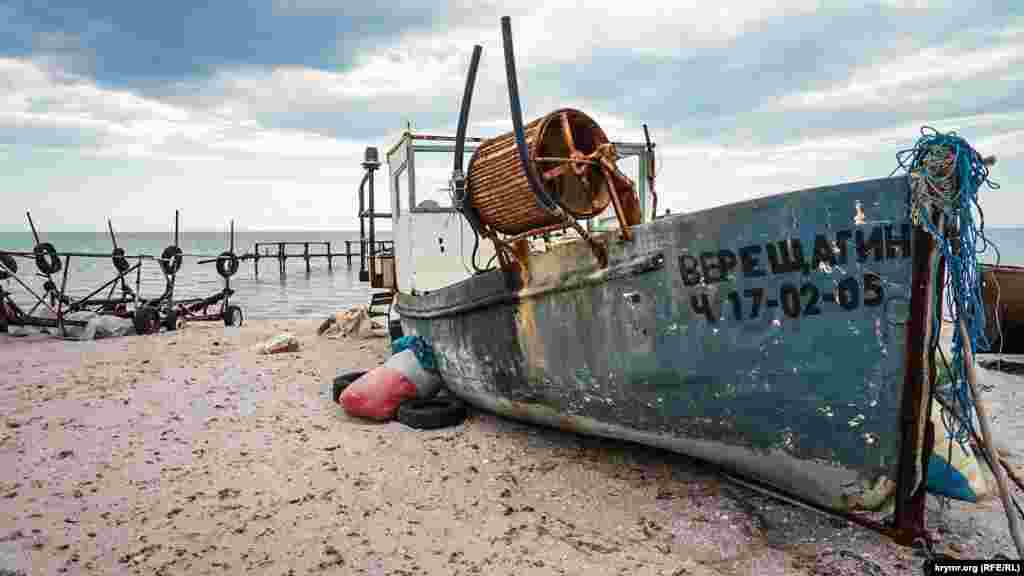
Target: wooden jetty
(279,251)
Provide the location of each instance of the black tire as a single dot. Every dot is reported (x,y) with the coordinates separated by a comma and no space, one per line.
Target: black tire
(47,260)
(170,260)
(10,263)
(232,314)
(432,413)
(342,381)
(227,264)
(171,320)
(121,263)
(146,320)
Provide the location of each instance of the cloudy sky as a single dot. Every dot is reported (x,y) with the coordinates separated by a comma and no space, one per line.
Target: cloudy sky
(261,112)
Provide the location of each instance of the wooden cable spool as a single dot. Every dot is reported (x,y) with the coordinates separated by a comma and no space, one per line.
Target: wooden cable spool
(565,150)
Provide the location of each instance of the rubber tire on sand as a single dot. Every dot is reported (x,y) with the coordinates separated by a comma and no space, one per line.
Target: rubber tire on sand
(146,320)
(431,413)
(342,381)
(229,315)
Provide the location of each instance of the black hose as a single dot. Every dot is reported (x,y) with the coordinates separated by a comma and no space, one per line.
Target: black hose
(476,246)
(459,182)
(517,118)
(467,98)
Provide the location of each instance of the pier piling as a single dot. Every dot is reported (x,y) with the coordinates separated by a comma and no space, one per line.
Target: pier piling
(279,251)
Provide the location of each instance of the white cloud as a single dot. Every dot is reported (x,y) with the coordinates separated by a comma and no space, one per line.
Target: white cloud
(1003,146)
(929,74)
(699,176)
(157,150)
(130,125)
(209,149)
(429,63)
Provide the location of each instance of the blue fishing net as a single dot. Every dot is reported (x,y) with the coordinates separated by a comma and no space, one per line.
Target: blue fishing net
(424,353)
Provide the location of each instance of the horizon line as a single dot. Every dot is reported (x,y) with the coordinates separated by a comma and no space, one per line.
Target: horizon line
(190,231)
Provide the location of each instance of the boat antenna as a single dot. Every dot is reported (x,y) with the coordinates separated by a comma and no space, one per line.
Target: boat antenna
(517,119)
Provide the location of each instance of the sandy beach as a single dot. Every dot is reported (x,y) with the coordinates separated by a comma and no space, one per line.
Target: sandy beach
(188,453)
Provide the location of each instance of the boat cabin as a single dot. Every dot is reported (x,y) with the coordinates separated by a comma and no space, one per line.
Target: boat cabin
(434,244)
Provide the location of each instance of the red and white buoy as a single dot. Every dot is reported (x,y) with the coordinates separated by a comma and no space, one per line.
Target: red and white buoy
(377,394)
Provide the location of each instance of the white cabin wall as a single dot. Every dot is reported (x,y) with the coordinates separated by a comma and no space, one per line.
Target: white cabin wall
(424,266)
(403,253)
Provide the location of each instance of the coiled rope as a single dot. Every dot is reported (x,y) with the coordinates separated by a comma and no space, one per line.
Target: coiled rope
(945,174)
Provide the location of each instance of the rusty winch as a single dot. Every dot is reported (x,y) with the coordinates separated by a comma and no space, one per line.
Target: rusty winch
(541,177)
(574,161)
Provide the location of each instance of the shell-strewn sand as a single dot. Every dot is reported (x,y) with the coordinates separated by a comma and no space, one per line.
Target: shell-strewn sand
(187,453)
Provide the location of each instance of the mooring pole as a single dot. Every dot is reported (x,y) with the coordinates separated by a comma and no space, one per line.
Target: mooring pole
(60,297)
(362,225)
(371,163)
(280,256)
(32,225)
(305,253)
(113,240)
(330,258)
(227,280)
(174,277)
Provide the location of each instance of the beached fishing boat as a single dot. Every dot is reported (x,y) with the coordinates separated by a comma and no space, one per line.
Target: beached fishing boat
(782,338)
(1004,307)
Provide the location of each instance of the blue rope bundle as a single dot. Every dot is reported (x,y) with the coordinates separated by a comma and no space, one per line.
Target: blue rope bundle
(945,173)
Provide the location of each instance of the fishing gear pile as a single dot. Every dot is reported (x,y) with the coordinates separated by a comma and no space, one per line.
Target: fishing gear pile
(945,174)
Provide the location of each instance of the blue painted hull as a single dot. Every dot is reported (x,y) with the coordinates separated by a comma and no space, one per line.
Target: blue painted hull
(771,337)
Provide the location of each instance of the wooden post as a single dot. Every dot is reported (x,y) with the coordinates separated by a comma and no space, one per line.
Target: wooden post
(256,259)
(330,258)
(280,256)
(348,253)
(305,253)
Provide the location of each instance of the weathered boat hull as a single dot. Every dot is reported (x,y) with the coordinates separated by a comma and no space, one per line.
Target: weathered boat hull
(771,337)
(1004,292)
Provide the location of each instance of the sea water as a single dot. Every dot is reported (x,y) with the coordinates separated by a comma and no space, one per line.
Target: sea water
(268,295)
(295,294)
